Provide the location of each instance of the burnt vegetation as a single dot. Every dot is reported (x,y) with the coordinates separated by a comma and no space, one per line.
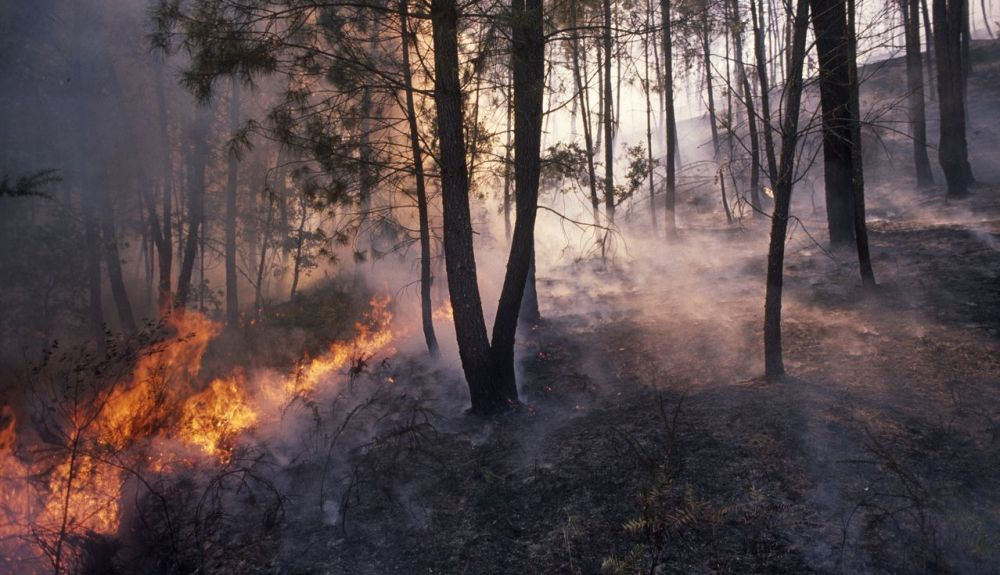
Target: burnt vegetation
(357,287)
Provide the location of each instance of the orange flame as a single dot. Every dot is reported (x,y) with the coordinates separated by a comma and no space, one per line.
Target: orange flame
(212,418)
(444,312)
(374,335)
(161,399)
(159,382)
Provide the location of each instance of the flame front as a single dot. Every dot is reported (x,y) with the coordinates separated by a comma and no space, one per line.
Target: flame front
(213,418)
(116,434)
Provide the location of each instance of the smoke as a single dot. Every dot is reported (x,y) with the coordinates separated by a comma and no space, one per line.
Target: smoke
(358,435)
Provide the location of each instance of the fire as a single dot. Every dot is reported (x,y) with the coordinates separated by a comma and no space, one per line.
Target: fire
(160,379)
(374,335)
(84,496)
(444,312)
(212,418)
(7,433)
(114,435)
(12,475)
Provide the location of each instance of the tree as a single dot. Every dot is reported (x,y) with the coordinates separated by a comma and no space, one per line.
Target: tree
(195,193)
(528,68)
(829,19)
(757,18)
(668,90)
(488,367)
(748,101)
(857,166)
(416,149)
(232,183)
(162,229)
(774,365)
(953,151)
(609,119)
(706,50)
(582,91)
(915,86)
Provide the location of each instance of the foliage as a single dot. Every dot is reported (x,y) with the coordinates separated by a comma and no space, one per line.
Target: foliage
(28,186)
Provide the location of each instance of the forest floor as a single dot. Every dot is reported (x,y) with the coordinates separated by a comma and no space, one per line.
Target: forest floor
(648,437)
(648,442)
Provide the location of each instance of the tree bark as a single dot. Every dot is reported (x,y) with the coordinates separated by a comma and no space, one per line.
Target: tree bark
(232,183)
(668,89)
(609,134)
(707,58)
(765,90)
(426,279)
(113,264)
(915,85)
(92,239)
(197,158)
(953,149)
(929,42)
(647,43)
(86,184)
(986,19)
(530,313)
(857,165)
(270,197)
(163,235)
(748,102)
(582,90)
(487,392)
(774,366)
(830,28)
(507,161)
(299,245)
(528,63)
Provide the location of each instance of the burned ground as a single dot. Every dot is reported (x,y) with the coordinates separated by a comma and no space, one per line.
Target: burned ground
(647,441)
(647,437)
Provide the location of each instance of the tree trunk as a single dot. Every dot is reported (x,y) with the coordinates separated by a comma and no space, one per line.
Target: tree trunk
(774,366)
(668,89)
(647,43)
(830,28)
(163,236)
(748,102)
(195,202)
(530,314)
(85,95)
(857,165)
(765,90)
(232,183)
(966,72)
(915,85)
(426,278)
(986,19)
(609,134)
(582,90)
(487,391)
(270,196)
(366,174)
(706,52)
(528,63)
(299,244)
(953,149)
(92,242)
(507,162)
(113,264)
(929,43)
